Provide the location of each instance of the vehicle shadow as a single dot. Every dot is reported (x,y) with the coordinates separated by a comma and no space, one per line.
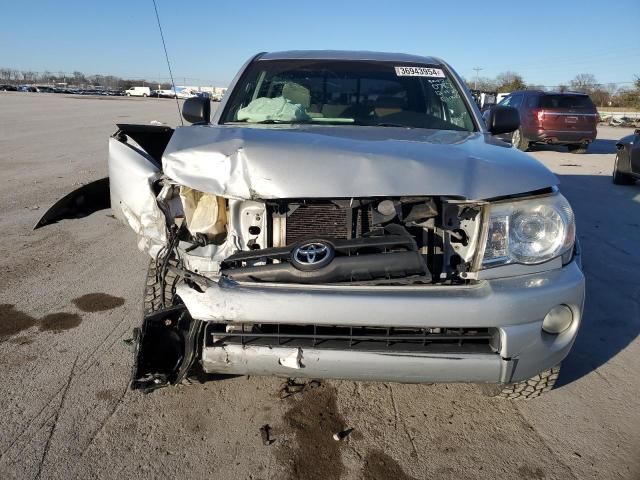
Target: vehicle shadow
(608,222)
(600,146)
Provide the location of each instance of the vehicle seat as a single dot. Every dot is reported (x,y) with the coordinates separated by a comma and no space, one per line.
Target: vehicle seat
(387,105)
(296,93)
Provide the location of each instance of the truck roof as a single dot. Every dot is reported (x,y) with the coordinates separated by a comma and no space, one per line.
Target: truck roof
(347,55)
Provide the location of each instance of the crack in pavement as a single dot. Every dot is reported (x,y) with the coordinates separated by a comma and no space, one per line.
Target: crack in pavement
(55,419)
(541,438)
(404,425)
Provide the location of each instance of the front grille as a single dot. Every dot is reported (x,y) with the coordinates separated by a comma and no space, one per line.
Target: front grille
(316,220)
(396,339)
(326,220)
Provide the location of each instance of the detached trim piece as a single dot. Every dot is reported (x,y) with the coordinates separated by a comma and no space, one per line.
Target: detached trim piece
(165,348)
(80,203)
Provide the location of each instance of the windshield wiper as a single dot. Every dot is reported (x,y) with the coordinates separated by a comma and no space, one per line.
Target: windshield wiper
(270,122)
(389,124)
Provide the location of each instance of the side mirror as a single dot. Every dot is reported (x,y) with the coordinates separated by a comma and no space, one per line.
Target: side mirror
(502,120)
(197,110)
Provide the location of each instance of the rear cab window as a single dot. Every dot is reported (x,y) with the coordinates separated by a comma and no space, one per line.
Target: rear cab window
(365,93)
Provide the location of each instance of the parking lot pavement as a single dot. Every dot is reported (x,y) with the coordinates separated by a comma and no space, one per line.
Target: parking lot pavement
(65,411)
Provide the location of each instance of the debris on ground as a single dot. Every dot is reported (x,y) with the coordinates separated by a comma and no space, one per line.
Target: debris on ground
(265,434)
(339,436)
(291,387)
(620,119)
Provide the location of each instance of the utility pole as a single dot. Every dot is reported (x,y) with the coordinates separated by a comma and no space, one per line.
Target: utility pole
(477,70)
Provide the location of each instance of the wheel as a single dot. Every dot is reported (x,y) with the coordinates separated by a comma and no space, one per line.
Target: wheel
(578,148)
(153,288)
(128,94)
(144,94)
(620,178)
(526,389)
(518,141)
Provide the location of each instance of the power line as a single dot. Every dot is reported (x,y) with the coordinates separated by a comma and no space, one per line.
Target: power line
(173,84)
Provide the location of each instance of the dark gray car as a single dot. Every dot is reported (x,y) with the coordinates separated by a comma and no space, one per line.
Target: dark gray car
(626,168)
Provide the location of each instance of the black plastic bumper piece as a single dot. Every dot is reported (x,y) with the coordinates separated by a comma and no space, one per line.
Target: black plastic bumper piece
(165,348)
(341,269)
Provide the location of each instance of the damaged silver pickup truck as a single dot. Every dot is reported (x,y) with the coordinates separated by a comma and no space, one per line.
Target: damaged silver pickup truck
(345,215)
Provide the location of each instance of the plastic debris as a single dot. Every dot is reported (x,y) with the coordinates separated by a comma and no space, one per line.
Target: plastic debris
(291,387)
(265,434)
(339,436)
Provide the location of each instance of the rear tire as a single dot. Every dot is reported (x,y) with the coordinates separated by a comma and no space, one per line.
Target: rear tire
(578,148)
(144,94)
(518,141)
(620,178)
(526,389)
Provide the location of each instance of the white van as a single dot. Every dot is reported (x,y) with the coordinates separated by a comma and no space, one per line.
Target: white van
(138,92)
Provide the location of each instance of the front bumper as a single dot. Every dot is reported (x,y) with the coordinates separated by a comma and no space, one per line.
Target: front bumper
(514,306)
(563,137)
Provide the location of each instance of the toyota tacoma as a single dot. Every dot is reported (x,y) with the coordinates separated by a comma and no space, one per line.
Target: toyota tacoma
(344,215)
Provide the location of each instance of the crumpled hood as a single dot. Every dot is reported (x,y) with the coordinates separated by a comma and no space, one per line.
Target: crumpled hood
(309,161)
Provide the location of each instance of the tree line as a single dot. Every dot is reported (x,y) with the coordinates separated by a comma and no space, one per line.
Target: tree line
(75,79)
(610,94)
(603,95)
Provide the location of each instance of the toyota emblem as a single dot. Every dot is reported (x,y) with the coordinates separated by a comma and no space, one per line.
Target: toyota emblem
(312,255)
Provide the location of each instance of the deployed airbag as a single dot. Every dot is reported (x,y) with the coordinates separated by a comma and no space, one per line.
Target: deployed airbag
(277,109)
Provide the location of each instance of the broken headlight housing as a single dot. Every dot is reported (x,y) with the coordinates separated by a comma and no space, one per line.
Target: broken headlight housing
(530,231)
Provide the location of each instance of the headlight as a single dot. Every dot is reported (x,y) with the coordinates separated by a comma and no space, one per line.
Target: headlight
(529,231)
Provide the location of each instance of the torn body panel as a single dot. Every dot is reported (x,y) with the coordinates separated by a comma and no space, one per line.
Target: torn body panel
(84,201)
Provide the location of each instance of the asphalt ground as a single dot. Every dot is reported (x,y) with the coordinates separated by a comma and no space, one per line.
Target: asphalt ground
(71,294)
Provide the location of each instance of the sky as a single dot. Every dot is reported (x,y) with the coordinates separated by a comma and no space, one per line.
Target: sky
(547,42)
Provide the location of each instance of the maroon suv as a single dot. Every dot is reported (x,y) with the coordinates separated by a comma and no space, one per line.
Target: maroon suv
(555,118)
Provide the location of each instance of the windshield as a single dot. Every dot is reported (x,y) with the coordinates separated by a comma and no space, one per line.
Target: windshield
(372,93)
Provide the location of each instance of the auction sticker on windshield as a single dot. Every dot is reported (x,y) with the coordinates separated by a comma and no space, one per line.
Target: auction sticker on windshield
(419,72)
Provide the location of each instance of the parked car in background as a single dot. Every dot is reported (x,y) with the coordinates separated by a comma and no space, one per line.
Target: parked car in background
(138,92)
(567,118)
(8,88)
(626,167)
(165,93)
(185,93)
(345,215)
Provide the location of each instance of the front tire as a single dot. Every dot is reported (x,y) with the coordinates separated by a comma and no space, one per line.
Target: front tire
(153,289)
(518,141)
(621,178)
(525,389)
(579,148)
